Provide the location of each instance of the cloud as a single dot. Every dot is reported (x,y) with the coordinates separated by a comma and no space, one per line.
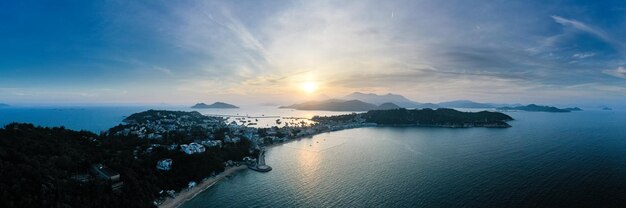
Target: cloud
(618,45)
(583,55)
(619,72)
(163,70)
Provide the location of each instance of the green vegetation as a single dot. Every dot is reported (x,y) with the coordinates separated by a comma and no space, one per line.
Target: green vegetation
(440,117)
(426,117)
(38,167)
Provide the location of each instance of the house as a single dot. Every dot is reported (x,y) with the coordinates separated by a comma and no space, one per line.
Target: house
(212,143)
(197,148)
(165,164)
(191,184)
(108,175)
(192,148)
(232,140)
(185,148)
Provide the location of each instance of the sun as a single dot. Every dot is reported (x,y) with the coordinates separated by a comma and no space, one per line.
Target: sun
(309,87)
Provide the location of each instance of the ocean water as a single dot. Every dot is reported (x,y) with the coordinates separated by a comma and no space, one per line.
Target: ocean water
(573,159)
(97,119)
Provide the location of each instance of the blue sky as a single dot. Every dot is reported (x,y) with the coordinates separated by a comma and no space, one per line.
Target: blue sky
(557,52)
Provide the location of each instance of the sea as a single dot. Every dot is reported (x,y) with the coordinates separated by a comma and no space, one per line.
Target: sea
(575,159)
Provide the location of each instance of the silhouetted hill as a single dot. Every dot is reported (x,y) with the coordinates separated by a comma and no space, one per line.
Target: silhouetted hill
(464,104)
(441,117)
(534,108)
(573,109)
(214,105)
(387,106)
(388,98)
(334,105)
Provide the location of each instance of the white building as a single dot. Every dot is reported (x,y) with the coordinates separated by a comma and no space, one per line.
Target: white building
(192,148)
(165,164)
(211,143)
(197,148)
(185,148)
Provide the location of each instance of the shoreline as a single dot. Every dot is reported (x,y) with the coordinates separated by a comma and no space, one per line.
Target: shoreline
(189,194)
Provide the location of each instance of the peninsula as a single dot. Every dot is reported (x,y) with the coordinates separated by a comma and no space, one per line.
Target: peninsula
(220,105)
(538,108)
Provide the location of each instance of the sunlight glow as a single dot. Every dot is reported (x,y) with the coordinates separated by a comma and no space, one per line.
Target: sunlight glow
(309,87)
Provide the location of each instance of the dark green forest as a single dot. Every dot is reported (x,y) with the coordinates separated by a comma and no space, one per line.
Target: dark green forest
(38,166)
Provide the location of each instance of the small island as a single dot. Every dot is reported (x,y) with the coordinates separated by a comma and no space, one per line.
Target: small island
(214,105)
(539,108)
(442,117)
(573,109)
(4,105)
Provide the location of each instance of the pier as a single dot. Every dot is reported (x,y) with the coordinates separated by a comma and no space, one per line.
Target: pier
(260,165)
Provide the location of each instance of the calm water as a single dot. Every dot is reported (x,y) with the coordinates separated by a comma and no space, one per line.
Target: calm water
(545,159)
(98,119)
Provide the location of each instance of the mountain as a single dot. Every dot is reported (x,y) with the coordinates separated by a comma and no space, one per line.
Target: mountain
(573,109)
(333,105)
(464,104)
(214,105)
(388,98)
(4,105)
(388,106)
(534,108)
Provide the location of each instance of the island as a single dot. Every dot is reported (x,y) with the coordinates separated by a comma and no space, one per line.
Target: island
(4,105)
(388,106)
(388,98)
(464,104)
(441,117)
(573,109)
(333,105)
(220,105)
(162,158)
(536,108)
(341,105)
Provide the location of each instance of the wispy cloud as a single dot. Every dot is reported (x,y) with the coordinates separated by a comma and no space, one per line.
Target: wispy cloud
(583,55)
(618,45)
(619,72)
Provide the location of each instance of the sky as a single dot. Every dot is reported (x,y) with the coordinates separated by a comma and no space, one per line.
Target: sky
(278,52)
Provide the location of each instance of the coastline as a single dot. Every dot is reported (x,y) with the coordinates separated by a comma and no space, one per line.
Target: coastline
(189,194)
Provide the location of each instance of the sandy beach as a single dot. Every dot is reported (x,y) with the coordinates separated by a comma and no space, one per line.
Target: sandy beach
(187,195)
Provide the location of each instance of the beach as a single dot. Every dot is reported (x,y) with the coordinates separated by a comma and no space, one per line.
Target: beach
(188,194)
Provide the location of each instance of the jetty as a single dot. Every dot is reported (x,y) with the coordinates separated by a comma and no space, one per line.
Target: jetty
(260,165)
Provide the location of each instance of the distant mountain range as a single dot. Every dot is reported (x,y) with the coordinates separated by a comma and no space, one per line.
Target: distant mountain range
(214,105)
(539,108)
(388,98)
(341,105)
(4,105)
(369,101)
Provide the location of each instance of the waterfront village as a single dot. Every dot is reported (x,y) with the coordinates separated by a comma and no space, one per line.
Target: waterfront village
(193,133)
